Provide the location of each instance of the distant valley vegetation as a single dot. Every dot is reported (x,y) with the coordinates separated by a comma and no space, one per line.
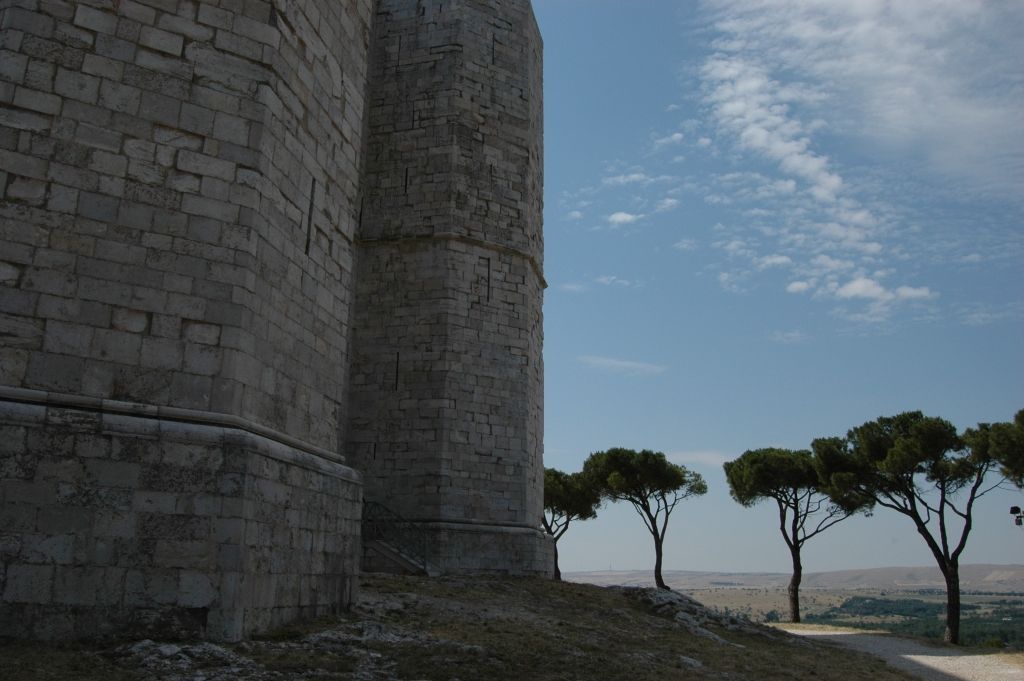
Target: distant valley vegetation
(909,601)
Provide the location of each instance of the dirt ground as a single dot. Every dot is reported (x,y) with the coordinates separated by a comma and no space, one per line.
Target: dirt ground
(924,661)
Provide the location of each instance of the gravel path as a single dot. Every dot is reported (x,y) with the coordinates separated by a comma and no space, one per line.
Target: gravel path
(931,663)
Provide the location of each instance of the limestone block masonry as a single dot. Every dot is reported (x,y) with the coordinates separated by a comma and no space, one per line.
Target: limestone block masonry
(446,387)
(180,191)
(254,254)
(120,523)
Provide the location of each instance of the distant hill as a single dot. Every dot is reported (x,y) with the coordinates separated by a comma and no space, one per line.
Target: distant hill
(995,578)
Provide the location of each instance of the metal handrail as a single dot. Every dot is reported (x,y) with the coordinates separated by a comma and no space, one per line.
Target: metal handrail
(380,523)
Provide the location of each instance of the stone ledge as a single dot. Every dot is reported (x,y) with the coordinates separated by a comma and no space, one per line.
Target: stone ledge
(477,526)
(481,548)
(461,238)
(165,414)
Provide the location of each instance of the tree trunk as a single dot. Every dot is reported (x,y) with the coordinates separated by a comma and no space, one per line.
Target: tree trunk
(657,563)
(794,585)
(558,573)
(952,634)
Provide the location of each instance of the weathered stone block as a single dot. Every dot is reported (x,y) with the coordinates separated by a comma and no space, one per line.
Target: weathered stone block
(118,97)
(161,353)
(78,86)
(34,100)
(77,586)
(29,584)
(160,40)
(132,321)
(95,20)
(153,587)
(12,66)
(114,473)
(116,346)
(179,527)
(197,589)
(17,517)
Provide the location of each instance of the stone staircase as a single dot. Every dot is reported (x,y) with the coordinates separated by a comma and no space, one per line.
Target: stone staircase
(392,544)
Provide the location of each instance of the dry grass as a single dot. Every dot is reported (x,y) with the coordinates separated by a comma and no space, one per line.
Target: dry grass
(499,629)
(36,662)
(535,629)
(828,628)
(1016,659)
(757,602)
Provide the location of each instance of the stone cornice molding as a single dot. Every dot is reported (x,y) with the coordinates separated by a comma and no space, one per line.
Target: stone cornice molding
(161,413)
(461,238)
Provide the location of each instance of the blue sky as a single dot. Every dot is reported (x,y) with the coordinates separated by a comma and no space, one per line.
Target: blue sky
(770,221)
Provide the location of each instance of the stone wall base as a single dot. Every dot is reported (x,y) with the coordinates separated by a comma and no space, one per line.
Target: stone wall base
(117,524)
(461,548)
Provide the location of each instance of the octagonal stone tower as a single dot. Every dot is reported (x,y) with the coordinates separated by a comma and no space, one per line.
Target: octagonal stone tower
(446,386)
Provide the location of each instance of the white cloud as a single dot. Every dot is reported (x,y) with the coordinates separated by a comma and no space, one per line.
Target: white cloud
(671,140)
(767,261)
(937,78)
(754,108)
(911,293)
(855,215)
(850,237)
(622,218)
(755,186)
(984,315)
(666,205)
(777,187)
(609,280)
(574,215)
(736,247)
(881,300)
(862,287)
(622,366)
(636,177)
(572,288)
(811,99)
(731,281)
(827,263)
(861,118)
(630,178)
(789,337)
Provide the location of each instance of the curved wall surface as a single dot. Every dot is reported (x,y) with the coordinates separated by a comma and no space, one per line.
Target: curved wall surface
(447,379)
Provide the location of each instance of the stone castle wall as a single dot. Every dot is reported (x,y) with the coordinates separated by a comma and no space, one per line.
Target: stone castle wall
(128,524)
(446,386)
(180,192)
(240,241)
(181,196)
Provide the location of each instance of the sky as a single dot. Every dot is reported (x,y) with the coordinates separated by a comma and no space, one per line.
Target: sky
(768,221)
